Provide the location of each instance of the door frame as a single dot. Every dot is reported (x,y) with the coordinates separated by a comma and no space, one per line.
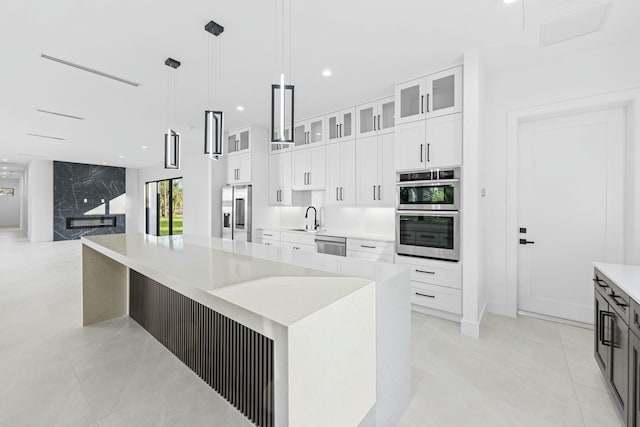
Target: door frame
(146,215)
(629,99)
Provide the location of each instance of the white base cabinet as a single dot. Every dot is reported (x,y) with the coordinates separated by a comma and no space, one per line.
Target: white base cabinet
(435,284)
(371,250)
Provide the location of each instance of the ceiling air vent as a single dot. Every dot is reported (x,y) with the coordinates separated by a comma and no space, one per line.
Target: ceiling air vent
(576,24)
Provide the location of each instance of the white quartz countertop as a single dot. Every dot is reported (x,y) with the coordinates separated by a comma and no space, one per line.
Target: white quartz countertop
(627,277)
(346,234)
(275,290)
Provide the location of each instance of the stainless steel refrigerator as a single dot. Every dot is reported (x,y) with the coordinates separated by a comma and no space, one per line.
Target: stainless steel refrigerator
(236,212)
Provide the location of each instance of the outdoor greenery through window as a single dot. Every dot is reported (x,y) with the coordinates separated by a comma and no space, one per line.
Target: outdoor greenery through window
(6,191)
(164,203)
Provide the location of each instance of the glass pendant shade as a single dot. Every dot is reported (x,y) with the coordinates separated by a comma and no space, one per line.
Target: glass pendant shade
(282,100)
(213,134)
(171,150)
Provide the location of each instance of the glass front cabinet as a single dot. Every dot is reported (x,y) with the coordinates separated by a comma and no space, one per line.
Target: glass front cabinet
(239,141)
(375,118)
(435,95)
(309,132)
(341,125)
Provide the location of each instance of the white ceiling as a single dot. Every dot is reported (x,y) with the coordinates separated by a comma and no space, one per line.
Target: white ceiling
(368,44)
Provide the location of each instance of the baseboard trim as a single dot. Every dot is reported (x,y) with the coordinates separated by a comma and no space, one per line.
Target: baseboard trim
(555,319)
(501,308)
(470,328)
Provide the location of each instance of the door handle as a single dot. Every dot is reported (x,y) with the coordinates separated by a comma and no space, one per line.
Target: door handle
(425,295)
(526,242)
(421,147)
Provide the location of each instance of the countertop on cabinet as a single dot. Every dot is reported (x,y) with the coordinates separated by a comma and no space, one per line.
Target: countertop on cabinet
(626,277)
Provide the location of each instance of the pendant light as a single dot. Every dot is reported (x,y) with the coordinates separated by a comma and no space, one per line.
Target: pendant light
(213,123)
(282,94)
(172,138)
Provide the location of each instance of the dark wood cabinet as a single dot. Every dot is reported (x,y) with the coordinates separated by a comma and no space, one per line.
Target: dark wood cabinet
(634,381)
(613,349)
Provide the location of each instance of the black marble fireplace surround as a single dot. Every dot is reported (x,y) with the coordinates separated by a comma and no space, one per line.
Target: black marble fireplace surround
(79,189)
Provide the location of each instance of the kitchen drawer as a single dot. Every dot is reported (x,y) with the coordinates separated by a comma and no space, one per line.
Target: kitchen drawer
(370,246)
(272,243)
(433,272)
(270,234)
(634,321)
(436,297)
(299,246)
(382,257)
(302,238)
(616,297)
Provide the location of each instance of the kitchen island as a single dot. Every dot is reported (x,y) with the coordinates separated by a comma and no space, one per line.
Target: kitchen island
(286,344)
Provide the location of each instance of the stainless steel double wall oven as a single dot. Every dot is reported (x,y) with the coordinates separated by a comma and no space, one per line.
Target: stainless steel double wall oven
(427,214)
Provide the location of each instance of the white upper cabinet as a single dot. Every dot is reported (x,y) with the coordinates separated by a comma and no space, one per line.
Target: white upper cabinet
(239,141)
(280,179)
(375,175)
(309,132)
(341,125)
(444,93)
(309,168)
(239,169)
(341,175)
(429,143)
(375,117)
(435,95)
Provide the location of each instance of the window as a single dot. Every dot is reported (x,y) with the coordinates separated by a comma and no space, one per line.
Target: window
(7,192)
(163,205)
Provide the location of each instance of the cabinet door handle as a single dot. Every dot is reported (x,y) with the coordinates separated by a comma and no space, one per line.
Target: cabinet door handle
(367,246)
(379,125)
(337,196)
(601,328)
(421,148)
(428,152)
(425,271)
(374,192)
(340,130)
(427,103)
(374,123)
(379,196)
(422,104)
(425,295)
(309,178)
(341,193)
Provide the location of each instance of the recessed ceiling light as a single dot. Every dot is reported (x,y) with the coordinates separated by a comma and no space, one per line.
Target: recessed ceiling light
(4,167)
(326,73)
(121,156)
(5,160)
(144,147)
(240,108)
(509,1)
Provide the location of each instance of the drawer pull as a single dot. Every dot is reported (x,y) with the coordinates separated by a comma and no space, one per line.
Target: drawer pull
(635,319)
(265,234)
(599,283)
(367,246)
(426,272)
(619,304)
(425,295)
(267,244)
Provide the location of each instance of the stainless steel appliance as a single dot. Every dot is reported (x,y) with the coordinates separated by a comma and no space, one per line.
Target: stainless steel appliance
(236,213)
(331,245)
(430,234)
(427,214)
(430,190)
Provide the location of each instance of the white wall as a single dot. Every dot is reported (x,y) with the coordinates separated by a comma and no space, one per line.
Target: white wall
(571,77)
(40,200)
(134,192)
(10,205)
(202,181)
(24,206)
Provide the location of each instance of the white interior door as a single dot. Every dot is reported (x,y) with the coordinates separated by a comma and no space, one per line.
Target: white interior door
(571,202)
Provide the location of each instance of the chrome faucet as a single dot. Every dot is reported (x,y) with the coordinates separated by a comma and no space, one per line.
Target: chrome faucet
(316,224)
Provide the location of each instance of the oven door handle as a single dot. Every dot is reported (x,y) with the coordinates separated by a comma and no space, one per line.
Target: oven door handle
(426,213)
(427,183)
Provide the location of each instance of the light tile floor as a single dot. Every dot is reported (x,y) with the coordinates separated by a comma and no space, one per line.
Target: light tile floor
(53,372)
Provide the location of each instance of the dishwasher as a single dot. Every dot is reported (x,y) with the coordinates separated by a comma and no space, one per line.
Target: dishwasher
(332,245)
